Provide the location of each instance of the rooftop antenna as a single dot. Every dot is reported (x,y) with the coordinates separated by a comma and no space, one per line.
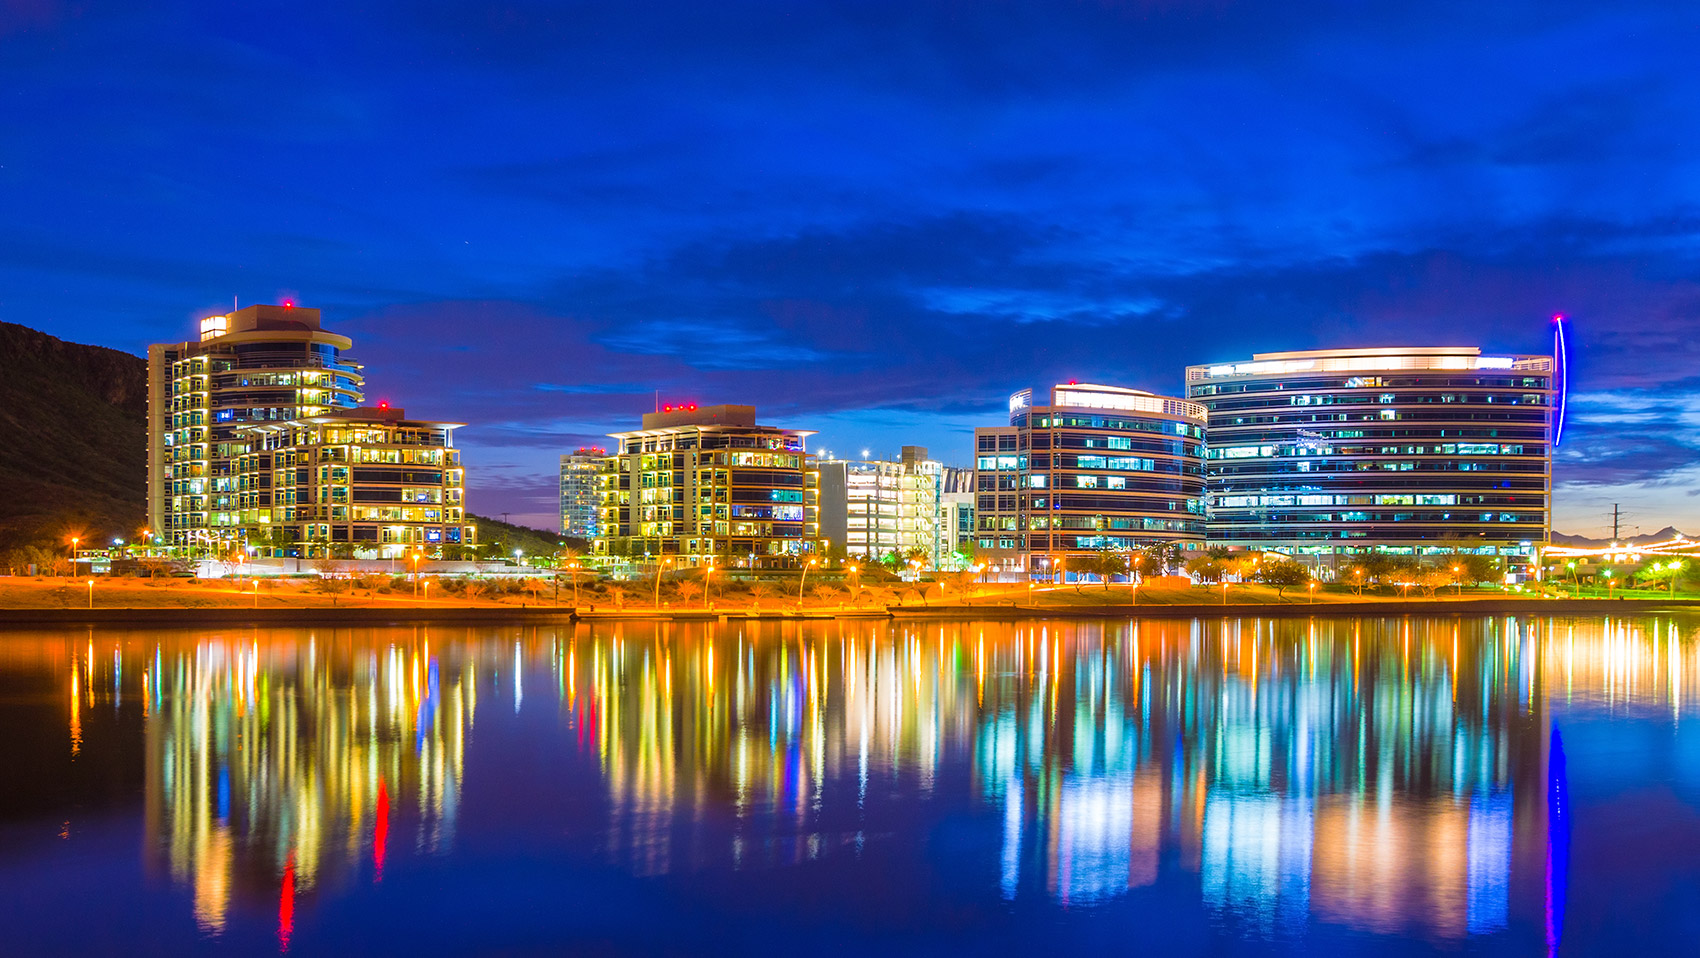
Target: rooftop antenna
(233,304)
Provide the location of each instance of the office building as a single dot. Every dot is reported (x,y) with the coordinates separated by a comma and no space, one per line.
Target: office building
(1332,453)
(1086,468)
(956,529)
(708,485)
(352,483)
(581,491)
(262,364)
(872,509)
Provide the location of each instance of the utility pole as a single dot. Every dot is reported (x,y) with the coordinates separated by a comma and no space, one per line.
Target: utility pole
(1614,520)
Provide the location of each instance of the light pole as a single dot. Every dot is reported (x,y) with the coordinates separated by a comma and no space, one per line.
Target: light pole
(1313,593)
(573,566)
(1224,591)
(91,593)
(707,582)
(1674,566)
(427,584)
(855,583)
(1458,581)
(256,593)
(74,541)
(660,570)
(802,581)
(414,558)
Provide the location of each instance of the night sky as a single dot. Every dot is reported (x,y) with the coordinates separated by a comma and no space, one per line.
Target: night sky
(873,219)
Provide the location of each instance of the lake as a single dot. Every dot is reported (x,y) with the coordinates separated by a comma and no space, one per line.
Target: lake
(1388,786)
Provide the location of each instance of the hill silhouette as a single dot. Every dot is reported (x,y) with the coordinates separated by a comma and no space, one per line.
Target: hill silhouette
(73,424)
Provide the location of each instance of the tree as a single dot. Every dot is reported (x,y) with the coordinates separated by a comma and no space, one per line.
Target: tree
(1432,579)
(1474,568)
(1206,569)
(1281,575)
(1081,566)
(1111,564)
(688,590)
(1161,557)
(760,591)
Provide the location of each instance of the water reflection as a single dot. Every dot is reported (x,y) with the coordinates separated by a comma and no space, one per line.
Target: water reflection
(1385,776)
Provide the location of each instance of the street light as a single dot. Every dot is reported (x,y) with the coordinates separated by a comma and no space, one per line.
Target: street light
(74,541)
(91,593)
(660,570)
(802,581)
(707,582)
(1457,580)
(256,593)
(1313,593)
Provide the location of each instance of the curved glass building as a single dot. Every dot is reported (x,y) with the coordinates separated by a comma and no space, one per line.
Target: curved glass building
(1332,453)
(1084,468)
(262,364)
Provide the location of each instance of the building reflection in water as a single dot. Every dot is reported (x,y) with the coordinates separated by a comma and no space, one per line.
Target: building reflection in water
(276,761)
(1387,776)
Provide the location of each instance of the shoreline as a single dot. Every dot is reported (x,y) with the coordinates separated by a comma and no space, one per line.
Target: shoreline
(471,615)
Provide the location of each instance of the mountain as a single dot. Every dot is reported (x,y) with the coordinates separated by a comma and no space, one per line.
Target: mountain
(73,427)
(1663,535)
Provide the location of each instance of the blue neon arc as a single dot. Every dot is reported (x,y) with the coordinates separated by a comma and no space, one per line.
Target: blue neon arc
(1562,374)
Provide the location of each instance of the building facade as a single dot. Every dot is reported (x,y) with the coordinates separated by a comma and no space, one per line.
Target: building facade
(1085,468)
(871,509)
(262,364)
(353,483)
(581,491)
(956,529)
(709,486)
(1327,454)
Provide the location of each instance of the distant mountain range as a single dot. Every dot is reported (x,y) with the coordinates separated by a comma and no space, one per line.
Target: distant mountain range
(1663,535)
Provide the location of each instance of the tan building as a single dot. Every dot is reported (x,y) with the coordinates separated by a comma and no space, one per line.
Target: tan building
(262,364)
(356,483)
(702,485)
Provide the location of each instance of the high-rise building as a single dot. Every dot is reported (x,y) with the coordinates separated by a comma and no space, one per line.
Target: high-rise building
(1331,453)
(260,364)
(581,491)
(874,508)
(702,485)
(1086,468)
(355,483)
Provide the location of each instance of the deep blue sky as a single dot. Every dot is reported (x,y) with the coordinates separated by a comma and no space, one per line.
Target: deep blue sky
(872,219)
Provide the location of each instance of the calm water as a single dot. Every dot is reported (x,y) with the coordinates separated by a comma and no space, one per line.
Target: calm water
(1380,786)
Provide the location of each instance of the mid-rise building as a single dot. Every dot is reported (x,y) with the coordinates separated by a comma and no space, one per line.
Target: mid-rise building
(956,528)
(874,508)
(1087,468)
(1328,454)
(355,483)
(581,491)
(709,485)
(262,364)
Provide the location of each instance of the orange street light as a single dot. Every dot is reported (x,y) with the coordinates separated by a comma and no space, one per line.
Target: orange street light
(1313,593)
(91,593)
